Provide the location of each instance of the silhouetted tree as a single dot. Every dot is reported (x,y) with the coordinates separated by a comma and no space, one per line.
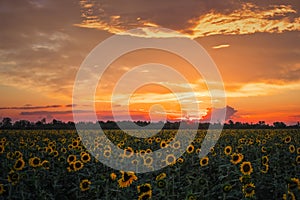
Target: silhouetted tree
(6,122)
(279,125)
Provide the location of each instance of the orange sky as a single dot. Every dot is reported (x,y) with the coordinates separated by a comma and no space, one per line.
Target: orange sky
(254,44)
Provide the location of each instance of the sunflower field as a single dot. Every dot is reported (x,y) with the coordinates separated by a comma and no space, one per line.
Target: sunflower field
(244,164)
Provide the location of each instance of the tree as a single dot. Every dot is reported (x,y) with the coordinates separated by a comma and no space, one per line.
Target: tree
(279,125)
(6,122)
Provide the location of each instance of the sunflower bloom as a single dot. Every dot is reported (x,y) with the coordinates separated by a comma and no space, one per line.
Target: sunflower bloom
(127,179)
(246,168)
(85,185)
(204,161)
(249,190)
(236,158)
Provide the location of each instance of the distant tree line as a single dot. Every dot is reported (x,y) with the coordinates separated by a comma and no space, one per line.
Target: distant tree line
(7,123)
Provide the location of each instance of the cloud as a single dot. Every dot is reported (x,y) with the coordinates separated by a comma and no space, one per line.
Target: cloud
(218,113)
(238,18)
(262,89)
(248,20)
(43,112)
(221,46)
(30,107)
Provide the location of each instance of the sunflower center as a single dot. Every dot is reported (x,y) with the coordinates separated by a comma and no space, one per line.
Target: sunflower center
(35,161)
(246,168)
(19,164)
(126,177)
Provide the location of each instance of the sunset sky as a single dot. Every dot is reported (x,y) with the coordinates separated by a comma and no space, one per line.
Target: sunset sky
(255,45)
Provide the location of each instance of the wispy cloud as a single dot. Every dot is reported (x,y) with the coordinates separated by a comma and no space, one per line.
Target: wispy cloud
(30,107)
(248,19)
(221,46)
(43,112)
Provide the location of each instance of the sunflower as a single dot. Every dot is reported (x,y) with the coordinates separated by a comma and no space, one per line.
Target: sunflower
(157,140)
(71,158)
(148,161)
(176,145)
(34,162)
(170,159)
(144,188)
(292,148)
(228,150)
(298,160)
(245,179)
(204,161)
(249,190)
(19,164)
(239,149)
(10,155)
(126,179)
(298,150)
(75,143)
(287,139)
(246,168)
(145,196)
(113,176)
(163,144)
(290,195)
(180,160)
(70,146)
(45,164)
(263,149)
(85,185)
(134,162)
(294,183)
(18,154)
(85,157)
(55,153)
(150,140)
(161,183)
(128,152)
(190,149)
(236,158)
(77,165)
(107,153)
(264,160)
(13,177)
(227,188)
(49,150)
(198,150)
(191,197)
(1,149)
(148,151)
(198,140)
(2,190)
(161,176)
(63,150)
(142,153)
(265,168)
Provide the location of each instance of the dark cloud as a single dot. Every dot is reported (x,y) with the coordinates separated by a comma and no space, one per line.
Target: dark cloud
(30,107)
(70,105)
(43,112)
(218,113)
